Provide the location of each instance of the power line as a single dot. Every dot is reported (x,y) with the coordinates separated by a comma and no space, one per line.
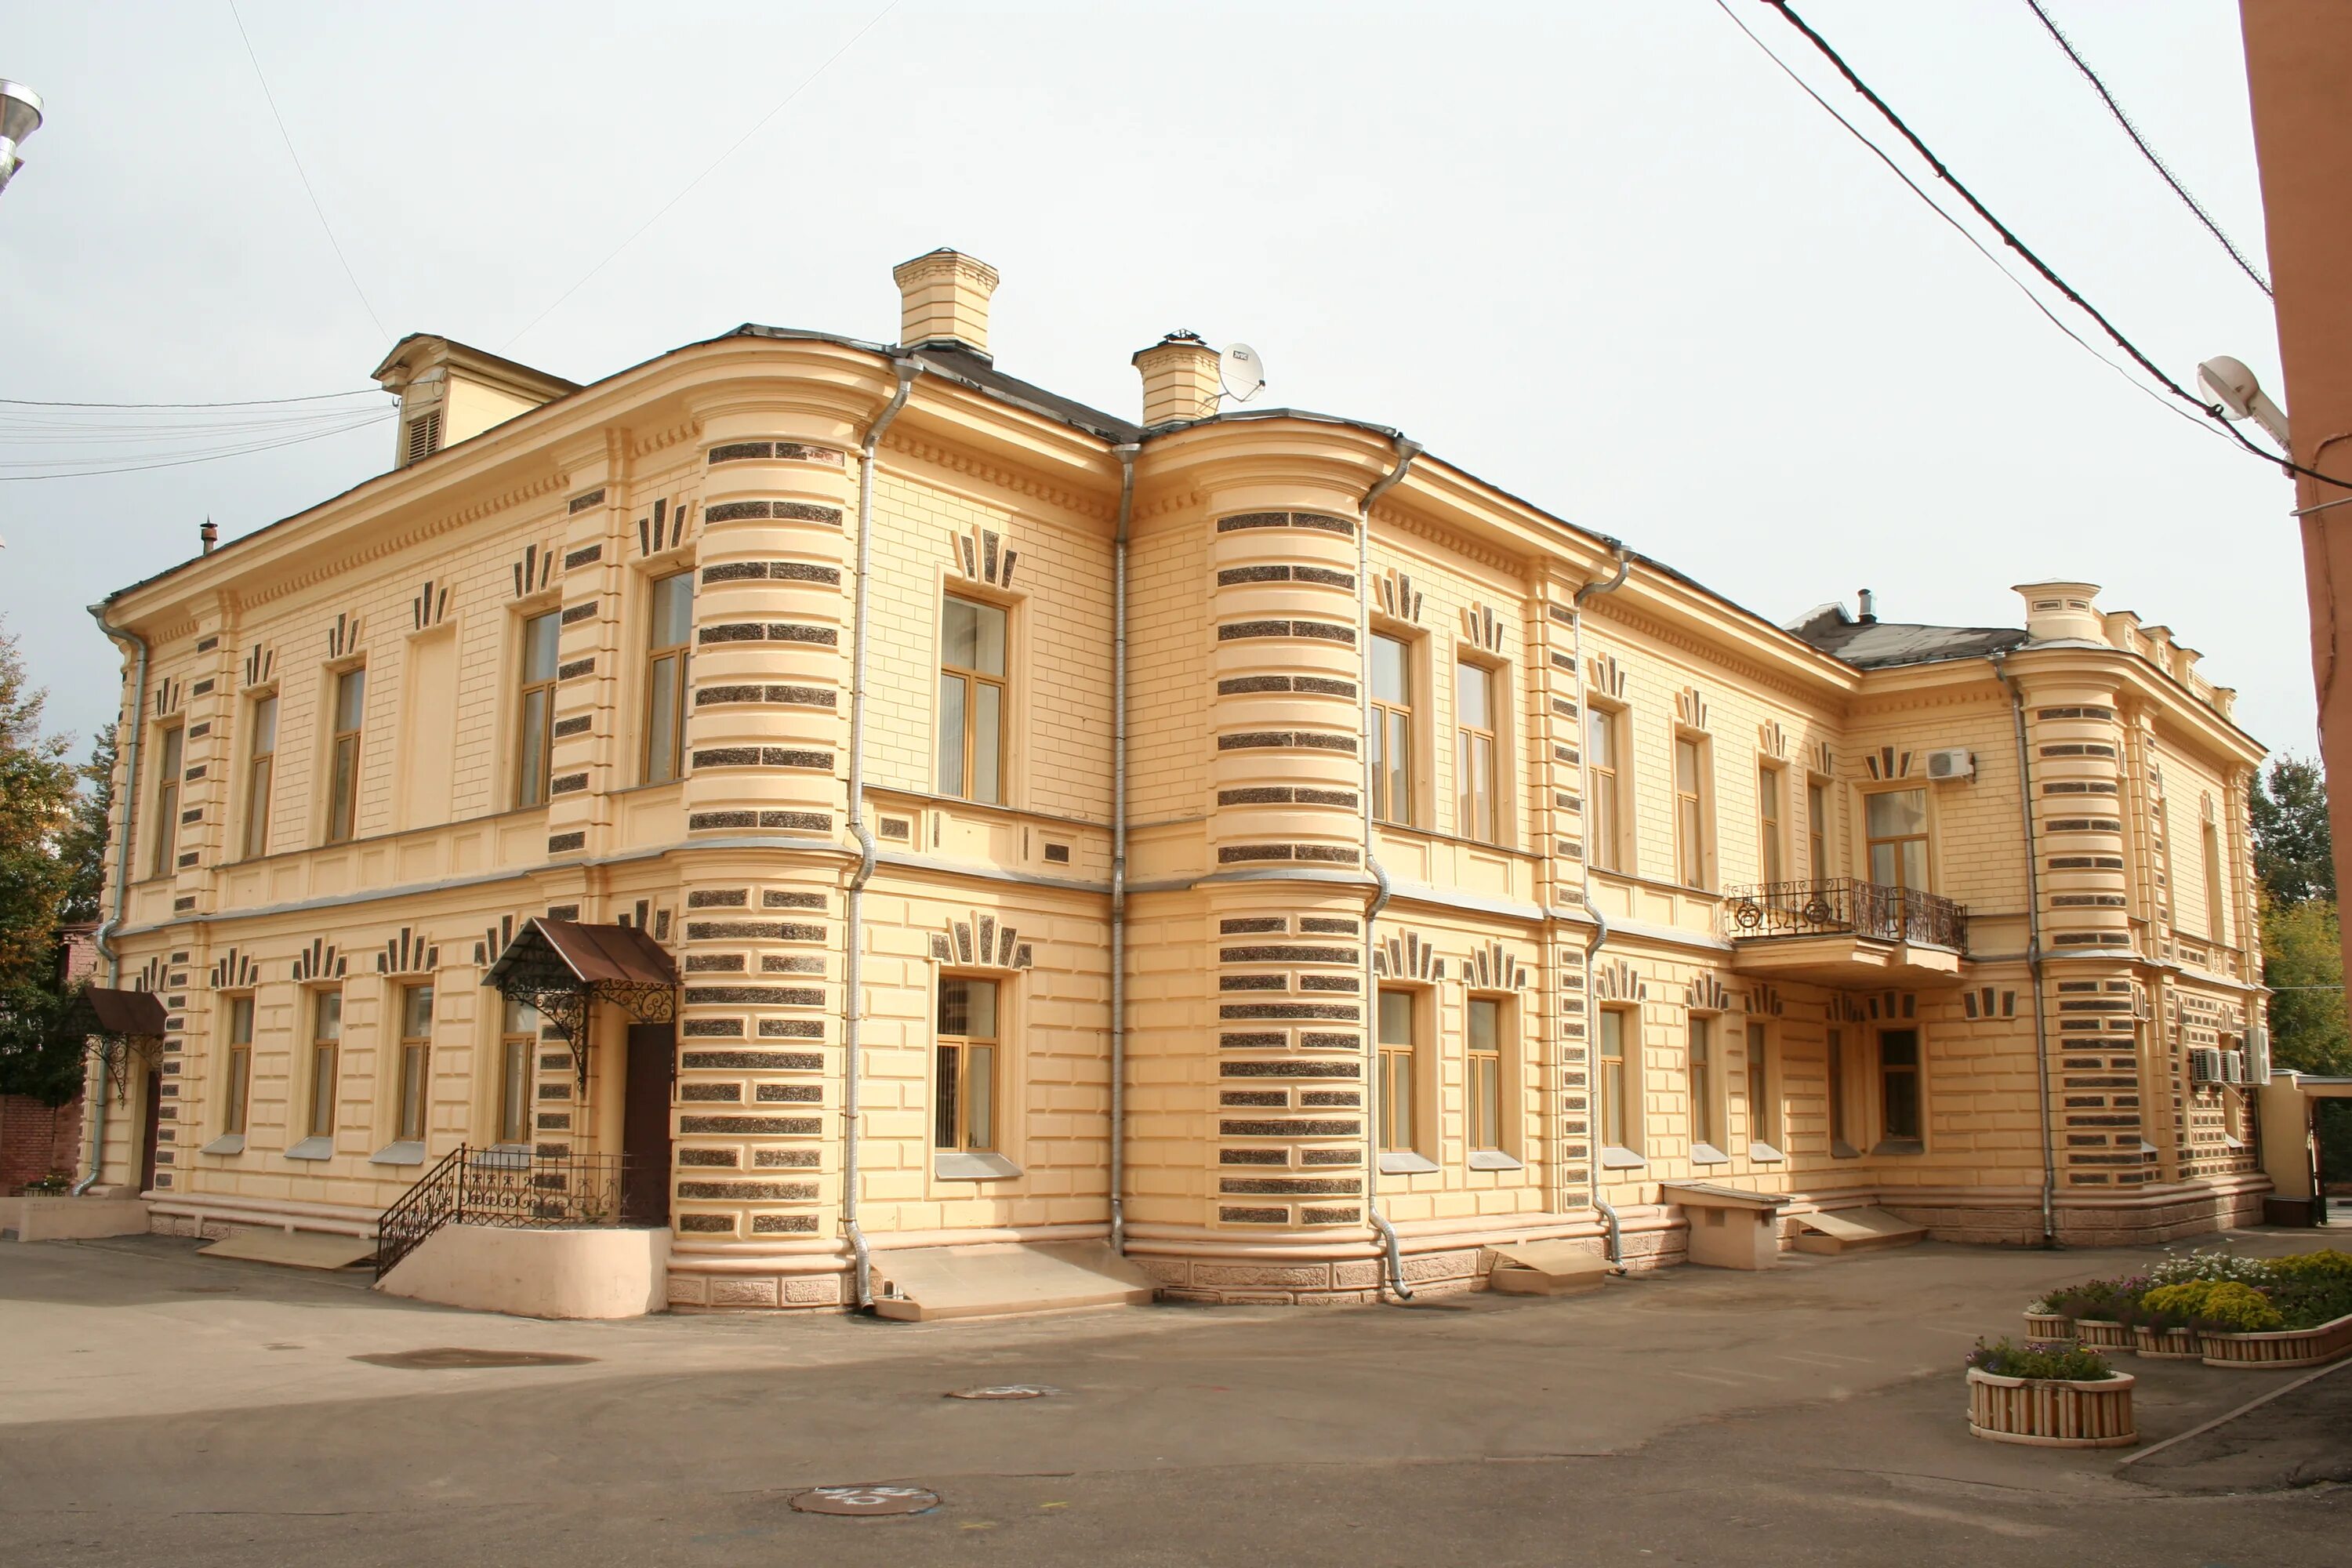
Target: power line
(2146,152)
(232,402)
(272,99)
(2073,297)
(640,232)
(200,458)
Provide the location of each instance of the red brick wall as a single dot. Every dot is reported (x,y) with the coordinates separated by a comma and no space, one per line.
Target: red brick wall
(36,1139)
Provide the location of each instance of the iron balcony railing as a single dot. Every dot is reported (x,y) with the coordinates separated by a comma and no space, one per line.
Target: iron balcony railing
(506,1186)
(1844,906)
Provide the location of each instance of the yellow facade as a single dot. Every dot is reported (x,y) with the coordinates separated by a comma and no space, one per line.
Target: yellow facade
(2055,1039)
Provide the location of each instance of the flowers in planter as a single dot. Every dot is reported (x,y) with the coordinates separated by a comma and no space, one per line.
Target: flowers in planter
(2040,1360)
(2097,1300)
(2216,1306)
(2214,1263)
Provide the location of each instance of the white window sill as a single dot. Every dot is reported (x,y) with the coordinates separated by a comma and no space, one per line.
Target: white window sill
(1405,1163)
(1615,1159)
(1709,1154)
(407,1152)
(973,1168)
(227,1143)
(320,1147)
(1764,1153)
(1494,1160)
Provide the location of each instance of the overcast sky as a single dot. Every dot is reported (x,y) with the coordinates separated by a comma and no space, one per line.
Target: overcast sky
(1604,255)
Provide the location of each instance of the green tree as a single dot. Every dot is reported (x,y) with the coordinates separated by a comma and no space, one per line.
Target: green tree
(2293,856)
(36,798)
(83,846)
(2302,962)
(41,1052)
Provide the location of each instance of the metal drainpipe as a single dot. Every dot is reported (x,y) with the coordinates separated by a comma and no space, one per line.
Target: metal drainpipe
(1999,662)
(853,914)
(1593,590)
(1405,453)
(113,921)
(1125,455)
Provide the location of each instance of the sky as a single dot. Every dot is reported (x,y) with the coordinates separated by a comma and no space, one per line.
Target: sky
(1606,256)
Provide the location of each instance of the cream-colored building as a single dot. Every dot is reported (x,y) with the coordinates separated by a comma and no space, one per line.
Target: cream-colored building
(1451,877)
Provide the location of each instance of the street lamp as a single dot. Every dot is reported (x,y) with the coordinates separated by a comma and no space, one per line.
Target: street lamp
(20,116)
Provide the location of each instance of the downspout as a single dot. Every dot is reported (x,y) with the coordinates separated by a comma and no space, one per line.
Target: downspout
(1593,590)
(1999,662)
(114,920)
(1405,452)
(853,914)
(1125,455)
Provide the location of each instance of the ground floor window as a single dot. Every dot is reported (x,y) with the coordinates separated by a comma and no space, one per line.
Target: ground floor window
(1840,1130)
(1619,1118)
(1702,1079)
(240,1063)
(965,1117)
(416,1060)
(1396,1085)
(1899,1085)
(1763,1098)
(517,1042)
(326,1050)
(1485,1049)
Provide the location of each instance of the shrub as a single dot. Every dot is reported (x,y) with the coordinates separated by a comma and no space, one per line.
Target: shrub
(2232,1308)
(2326,1264)
(2040,1359)
(2214,1264)
(2099,1300)
(2305,1304)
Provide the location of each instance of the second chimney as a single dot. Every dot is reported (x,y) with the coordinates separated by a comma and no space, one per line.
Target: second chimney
(1179,379)
(943,299)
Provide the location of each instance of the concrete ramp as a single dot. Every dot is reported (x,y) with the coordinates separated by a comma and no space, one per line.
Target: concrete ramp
(923,1284)
(1548,1269)
(294,1250)
(1854,1231)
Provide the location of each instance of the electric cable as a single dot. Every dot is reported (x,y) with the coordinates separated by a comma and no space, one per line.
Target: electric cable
(177,462)
(231,402)
(2146,152)
(2073,296)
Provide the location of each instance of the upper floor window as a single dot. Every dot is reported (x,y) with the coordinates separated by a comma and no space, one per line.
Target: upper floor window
(535,707)
(350,713)
(2216,901)
(518,1041)
(1817,828)
(166,830)
(1896,823)
(669,630)
(1395,1087)
(1478,810)
(1604,829)
(972,701)
(1770,825)
(1391,736)
(416,1060)
(1690,811)
(965,1115)
(260,770)
(240,1063)
(1485,1051)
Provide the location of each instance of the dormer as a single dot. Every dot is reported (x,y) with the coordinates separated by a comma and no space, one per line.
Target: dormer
(449,393)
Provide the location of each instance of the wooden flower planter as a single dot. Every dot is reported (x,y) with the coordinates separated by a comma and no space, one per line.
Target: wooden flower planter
(2049,1327)
(2053,1413)
(2099,1334)
(2280,1347)
(2166,1344)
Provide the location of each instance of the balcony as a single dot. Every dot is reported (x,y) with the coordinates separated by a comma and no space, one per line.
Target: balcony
(1845,933)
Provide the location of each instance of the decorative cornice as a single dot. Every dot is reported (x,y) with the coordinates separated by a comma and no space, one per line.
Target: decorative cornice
(1446,539)
(1002,478)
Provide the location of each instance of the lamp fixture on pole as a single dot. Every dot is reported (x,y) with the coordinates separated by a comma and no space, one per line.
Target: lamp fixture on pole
(20,116)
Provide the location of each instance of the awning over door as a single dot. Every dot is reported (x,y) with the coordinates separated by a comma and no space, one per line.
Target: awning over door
(561,967)
(116,1024)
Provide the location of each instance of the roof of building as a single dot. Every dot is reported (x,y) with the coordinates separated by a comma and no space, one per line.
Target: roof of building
(1874,644)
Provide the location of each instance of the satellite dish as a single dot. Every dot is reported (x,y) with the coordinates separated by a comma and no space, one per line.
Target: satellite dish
(1242,372)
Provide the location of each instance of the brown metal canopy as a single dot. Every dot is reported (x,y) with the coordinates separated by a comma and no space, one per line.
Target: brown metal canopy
(560,967)
(134,1014)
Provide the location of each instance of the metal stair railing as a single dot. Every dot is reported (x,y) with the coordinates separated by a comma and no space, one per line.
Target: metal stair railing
(437,1198)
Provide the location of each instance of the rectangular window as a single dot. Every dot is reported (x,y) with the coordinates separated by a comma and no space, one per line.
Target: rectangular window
(535,707)
(973,701)
(1485,1049)
(350,713)
(1896,822)
(1769,823)
(326,1047)
(1763,1098)
(1841,1141)
(240,1062)
(1899,1077)
(2215,906)
(1817,829)
(517,1042)
(1612,1088)
(966,1118)
(1604,832)
(260,768)
(1396,1085)
(1702,1079)
(1392,730)
(167,800)
(1690,813)
(416,1060)
(1477,808)
(669,630)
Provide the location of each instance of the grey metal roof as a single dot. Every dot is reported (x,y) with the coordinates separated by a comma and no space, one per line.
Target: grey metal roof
(1880,644)
(977,371)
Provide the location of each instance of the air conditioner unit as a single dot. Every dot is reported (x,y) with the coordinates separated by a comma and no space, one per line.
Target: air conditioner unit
(2233,1067)
(2204,1064)
(1959,762)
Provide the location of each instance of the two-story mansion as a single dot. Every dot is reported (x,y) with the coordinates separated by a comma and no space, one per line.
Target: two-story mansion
(889,806)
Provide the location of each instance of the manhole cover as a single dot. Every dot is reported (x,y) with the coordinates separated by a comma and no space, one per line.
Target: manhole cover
(444,1357)
(865,1502)
(1006,1390)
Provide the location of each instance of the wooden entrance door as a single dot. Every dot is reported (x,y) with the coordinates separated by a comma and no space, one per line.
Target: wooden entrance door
(645,1124)
(151,1123)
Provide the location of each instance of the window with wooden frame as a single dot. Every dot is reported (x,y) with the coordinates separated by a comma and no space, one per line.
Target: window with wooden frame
(535,707)
(326,1053)
(260,772)
(1690,810)
(1763,1094)
(1898,1086)
(1703,1128)
(165,830)
(973,700)
(240,1087)
(518,1046)
(348,712)
(1896,821)
(1396,1089)
(415,1060)
(669,631)
(1391,737)
(2216,905)
(968,1049)
(1834,1070)
(1478,775)
(1604,819)
(1483,1047)
(1772,825)
(1817,829)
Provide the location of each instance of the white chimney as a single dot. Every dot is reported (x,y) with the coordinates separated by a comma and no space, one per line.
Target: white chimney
(943,299)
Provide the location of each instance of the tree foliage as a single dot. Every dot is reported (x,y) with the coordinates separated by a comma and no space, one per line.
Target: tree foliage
(2302,962)
(2293,855)
(83,846)
(36,799)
